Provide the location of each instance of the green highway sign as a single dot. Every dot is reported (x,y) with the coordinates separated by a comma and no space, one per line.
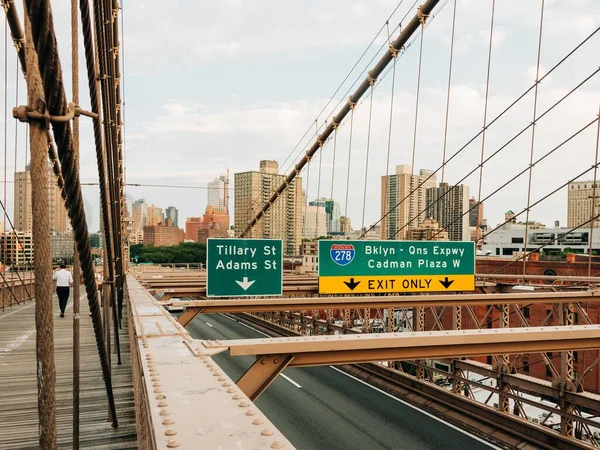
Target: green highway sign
(244,267)
(367,267)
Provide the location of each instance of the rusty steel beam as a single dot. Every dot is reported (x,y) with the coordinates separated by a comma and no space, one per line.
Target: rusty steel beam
(310,303)
(347,349)
(530,384)
(504,276)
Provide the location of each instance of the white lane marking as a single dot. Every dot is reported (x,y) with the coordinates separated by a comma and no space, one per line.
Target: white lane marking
(209,324)
(415,408)
(290,380)
(228,317)
(254,329)
(16,311)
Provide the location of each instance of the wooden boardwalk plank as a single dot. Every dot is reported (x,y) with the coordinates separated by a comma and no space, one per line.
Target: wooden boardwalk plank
(18,387)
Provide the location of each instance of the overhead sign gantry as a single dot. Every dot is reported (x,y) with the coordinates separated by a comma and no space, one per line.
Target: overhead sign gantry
(244,267)
(369,267)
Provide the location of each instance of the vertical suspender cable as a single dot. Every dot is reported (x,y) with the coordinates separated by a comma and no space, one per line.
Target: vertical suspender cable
(362,226)
(535,98)
(411,200)
(485,110)
(448,93)
(5,142)
(76,265)
(398,43)
(319,196)
(594,201)
(44,320)
(386,200)
(349,161)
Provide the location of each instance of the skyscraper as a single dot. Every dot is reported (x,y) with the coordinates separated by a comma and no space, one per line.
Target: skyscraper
(283,220)
(401,208)
(449,205)
(475,214)
(581,209)
(217,192)
(315,222)
(139,212)
(332,214)
(23,216)
(173,214)
(154,216)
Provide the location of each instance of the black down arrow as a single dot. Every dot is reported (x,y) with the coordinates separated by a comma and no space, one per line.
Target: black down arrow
(351,284)
(446,283)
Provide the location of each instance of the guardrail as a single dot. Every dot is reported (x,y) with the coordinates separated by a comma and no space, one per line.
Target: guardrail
(179,392)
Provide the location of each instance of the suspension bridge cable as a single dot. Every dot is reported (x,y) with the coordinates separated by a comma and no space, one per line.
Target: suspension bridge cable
(384,74)
(485,112)
(102,20)
(349,163)
(535,101)
(367,157)
(449,89)
(361,74)
(594,187)
(333,161)
(44,38)
(500,115)
(558,237)
(506,144)
(553,150)
(538,202)
(348,76)
(5,96)
(412,26)
(319,197)
(76,265)
(414,143)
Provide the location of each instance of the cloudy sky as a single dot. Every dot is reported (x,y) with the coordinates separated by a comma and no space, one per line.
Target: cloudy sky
(217,85)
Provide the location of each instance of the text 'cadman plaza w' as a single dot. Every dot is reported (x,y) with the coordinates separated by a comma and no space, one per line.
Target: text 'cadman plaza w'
(395,266)
(244,267)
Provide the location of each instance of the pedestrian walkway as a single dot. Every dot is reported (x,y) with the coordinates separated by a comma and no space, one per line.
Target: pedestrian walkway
(18,386)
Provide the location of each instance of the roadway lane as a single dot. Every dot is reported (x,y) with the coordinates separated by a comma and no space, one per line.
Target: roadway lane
(324,408)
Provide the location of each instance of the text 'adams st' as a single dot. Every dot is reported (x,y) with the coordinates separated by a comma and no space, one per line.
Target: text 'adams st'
(395,266)
(244,267)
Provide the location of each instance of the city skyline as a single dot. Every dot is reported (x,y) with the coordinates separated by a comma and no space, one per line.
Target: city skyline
(208,131)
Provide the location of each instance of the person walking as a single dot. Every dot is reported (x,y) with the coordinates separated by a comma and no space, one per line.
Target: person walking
(63,280)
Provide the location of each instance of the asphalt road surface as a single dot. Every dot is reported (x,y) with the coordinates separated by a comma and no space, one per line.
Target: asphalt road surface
(324,408)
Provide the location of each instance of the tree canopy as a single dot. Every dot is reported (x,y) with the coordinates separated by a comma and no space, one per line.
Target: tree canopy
(187,252)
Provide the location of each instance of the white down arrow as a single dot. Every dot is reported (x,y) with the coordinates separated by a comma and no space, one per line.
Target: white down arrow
(245,284)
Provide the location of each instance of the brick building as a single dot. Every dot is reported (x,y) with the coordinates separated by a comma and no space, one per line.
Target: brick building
(536,315)
(163,235)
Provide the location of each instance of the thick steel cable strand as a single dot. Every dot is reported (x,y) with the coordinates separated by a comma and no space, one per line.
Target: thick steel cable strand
(108,35)
(39,12)
(100,158)
(102,47)
(119,129)
(501,114)
(44,317)
(16,31)
(76,266)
